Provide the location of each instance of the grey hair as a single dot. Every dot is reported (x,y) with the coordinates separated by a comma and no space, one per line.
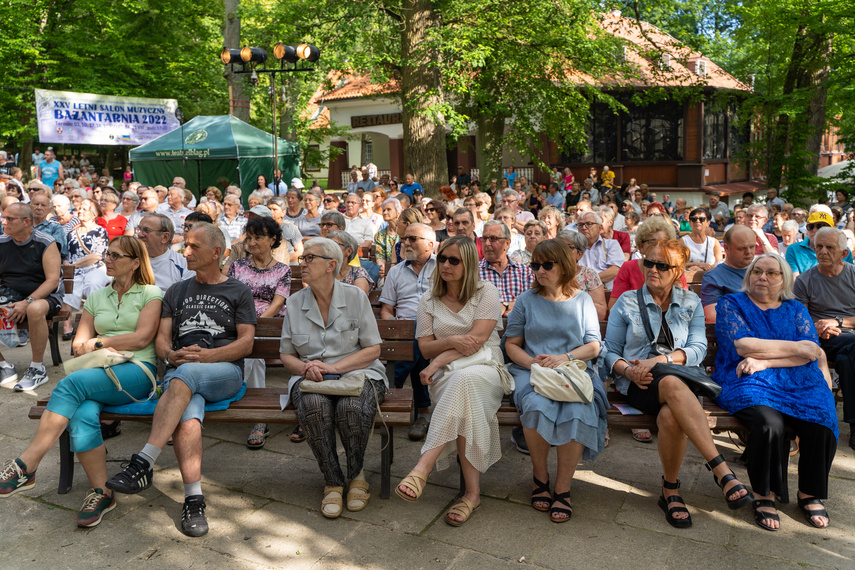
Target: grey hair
(335,217)
(504,230)
(424,229)
(213,235)
(841,237)
(132,195)
(61,199)
(256,196)
(166,224)
(574,238)
(461,211)
(328,248)
(348,241)
(231,196)
(606,212)
(279,201)
(394,203)
(756,207)
(510,193)
(786,293)
(597,217)
(791,225)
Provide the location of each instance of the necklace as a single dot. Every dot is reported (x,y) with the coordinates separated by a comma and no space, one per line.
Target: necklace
(265,266)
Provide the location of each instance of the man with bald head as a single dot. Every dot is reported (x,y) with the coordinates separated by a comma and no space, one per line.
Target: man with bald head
(756,217)
(726,277)
(149,202)
(405,284)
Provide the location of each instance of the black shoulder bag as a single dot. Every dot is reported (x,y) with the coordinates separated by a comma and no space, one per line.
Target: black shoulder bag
(693,376)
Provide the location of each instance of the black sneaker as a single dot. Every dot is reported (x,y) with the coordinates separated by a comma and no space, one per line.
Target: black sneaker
(518,439)
(136,477)
(193,521)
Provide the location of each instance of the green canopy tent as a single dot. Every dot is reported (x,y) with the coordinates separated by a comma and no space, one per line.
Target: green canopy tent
(214,151)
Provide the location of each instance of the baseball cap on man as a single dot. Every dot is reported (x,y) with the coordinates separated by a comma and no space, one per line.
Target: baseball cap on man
(297,183)
(262,211)
(821,217)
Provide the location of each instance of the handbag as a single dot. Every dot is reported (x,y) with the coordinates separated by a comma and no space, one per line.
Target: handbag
(483,357)
(692,376)
(347,386)
(106,358)
(568,382)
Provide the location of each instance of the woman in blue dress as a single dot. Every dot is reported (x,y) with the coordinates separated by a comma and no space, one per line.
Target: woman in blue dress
(552,323)
(773,376)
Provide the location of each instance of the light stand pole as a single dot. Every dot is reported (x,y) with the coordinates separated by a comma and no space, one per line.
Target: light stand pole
(250,57)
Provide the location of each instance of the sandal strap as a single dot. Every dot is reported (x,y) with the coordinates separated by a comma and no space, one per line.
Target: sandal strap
(714,462)
(669,485)
(813,512)
(674,499)
(357,485)
(411,482)
(764,503)
(328,499)
(561,498)
(540,487)
(464,507)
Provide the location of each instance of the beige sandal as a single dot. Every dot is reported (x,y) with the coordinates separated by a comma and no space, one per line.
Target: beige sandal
(415,482)
(464,508)
(357,495)
(331,499)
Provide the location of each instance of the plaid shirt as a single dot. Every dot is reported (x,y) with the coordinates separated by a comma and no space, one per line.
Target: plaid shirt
(511,284)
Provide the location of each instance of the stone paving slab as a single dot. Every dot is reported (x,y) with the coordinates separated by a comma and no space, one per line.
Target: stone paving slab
(264,511)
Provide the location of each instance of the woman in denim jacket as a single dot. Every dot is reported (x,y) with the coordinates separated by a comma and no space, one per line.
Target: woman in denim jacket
(677,321)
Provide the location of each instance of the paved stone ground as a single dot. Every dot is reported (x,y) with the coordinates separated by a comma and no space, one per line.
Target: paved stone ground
(263,508)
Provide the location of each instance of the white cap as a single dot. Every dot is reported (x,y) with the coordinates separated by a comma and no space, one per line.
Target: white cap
(297,183)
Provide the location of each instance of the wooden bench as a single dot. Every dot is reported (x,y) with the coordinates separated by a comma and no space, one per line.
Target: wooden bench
(261,405)
(53,323)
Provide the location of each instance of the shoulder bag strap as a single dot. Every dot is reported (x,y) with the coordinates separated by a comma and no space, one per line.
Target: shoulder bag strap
(118,384)
(645,318)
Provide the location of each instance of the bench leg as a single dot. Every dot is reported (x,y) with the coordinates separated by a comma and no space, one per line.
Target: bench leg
(53,339)
(66,464)
(386,463)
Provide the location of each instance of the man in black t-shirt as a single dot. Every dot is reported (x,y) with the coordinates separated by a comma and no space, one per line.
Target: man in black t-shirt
(207,327)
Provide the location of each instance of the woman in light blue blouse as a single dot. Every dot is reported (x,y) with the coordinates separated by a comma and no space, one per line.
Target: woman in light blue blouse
(677,323)
(552,323)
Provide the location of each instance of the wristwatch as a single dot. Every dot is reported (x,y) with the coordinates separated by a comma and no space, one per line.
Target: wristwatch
(839,321)
(30,300)
(98,344)
(669,359)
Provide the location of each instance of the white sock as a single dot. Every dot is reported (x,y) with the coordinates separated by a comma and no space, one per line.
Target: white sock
(38,365)
(150,453)
(4,364)
(191,489)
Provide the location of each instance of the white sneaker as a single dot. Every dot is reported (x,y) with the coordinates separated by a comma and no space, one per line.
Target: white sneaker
(8,375)
(32,379)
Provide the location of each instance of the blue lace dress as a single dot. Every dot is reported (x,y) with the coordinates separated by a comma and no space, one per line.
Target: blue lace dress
(799,391)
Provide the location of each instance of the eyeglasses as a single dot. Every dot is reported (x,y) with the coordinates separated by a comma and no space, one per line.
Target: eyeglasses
(328,225)
(697,219)
(816,226)
(755,217)
(9,218)
(492,239)
(454,261)
(659,265)
(114,256)
(308,258)
(586,224)
(429,210)
(547,265)
(772,274)
(412,239)
(145,230)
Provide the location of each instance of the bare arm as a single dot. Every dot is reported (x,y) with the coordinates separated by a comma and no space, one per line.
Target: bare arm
(609,274)
(387,311)
(467,344)
(143,335)
(777,349)
(275,306)
(598,295)
(709,313)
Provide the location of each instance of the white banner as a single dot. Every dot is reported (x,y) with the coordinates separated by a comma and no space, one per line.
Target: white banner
(85,118)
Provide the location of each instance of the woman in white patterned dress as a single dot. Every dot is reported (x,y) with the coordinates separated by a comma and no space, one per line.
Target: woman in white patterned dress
(456,319)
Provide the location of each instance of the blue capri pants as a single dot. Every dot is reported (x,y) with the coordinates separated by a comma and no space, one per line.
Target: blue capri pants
(208,382)
(82,395)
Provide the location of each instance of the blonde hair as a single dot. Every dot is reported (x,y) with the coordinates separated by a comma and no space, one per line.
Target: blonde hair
(469,258)
(133,246)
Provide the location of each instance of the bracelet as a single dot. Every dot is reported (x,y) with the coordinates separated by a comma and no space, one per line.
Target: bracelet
(167,356)
(569,356)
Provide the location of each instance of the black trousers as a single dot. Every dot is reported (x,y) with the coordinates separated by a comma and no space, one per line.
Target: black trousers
(768,446)
(840,350)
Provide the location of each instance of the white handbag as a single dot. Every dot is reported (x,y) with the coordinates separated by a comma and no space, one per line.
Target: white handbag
(105,358)
(483,357)
(568,382)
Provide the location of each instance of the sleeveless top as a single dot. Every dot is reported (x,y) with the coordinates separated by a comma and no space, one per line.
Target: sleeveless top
(701,252)
(21,264)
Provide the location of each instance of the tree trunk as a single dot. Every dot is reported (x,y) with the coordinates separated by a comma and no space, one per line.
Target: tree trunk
(816,112)
(238,98)
(491,130)
(424,139)
(288,92)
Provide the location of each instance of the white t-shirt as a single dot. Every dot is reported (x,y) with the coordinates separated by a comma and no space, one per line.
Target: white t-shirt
(169,268)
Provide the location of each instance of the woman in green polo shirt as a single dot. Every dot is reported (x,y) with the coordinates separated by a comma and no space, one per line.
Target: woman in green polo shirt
(123,316)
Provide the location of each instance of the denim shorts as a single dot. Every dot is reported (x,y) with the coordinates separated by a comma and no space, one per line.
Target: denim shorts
(208,382)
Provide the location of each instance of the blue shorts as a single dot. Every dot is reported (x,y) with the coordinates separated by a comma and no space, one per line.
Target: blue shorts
(208,382)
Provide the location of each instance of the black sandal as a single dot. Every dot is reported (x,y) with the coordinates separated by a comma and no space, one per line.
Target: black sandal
(110,430)
(540,488)
(257,436)
(297,436)
(665,505)
(809,514)
(760,516)
(736,503)
(561,498)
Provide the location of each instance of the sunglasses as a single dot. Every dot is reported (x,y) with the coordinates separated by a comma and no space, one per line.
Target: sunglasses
(697,219)
(328,200)
(454,261)
(659,265)
(412,239)
(816,226)
(547,265)
(429,210)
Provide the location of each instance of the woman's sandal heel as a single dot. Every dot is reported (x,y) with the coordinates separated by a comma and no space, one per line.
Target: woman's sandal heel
(665,505)
(537,495)
(747,499)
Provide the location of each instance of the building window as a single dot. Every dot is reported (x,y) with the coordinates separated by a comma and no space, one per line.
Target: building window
(739,134)
(367,149)
(715,134)
(653,132)
(601,139)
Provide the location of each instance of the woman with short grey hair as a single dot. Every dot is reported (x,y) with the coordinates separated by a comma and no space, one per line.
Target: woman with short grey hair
(130,201)
(350,274)
(355,354)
